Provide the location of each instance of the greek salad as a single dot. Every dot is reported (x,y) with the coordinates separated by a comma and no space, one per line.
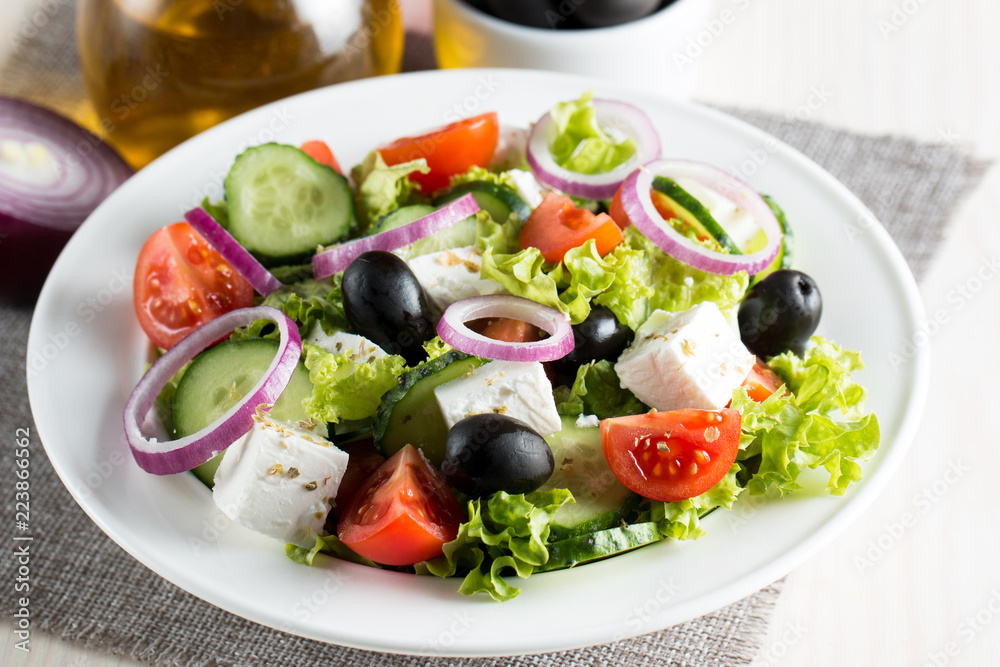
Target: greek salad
(487,352)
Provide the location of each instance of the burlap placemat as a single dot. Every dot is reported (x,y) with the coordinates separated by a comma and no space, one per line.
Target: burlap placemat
(86,589)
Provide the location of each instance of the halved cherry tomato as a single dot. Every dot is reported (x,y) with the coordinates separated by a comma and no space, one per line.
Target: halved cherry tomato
(761,382)
(617,211)
(557,226)
(449,150)
(320,151)
(672,455)
(403,514)
(181,282)
(507,329)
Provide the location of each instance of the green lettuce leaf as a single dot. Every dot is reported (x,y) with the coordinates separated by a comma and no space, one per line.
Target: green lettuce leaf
(680,286)
(597,391)
(681,520)
(382,189)
(501,237)
(581,144)
(307,302)
(571,285)
(822,424)
(435,347)
(344,389)
(329,545)
(480,174)
(218,210)
(504,533)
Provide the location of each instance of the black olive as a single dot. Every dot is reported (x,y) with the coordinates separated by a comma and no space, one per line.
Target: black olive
(603,13)
(600,336)
(780,313)
(384,303)
(490,452)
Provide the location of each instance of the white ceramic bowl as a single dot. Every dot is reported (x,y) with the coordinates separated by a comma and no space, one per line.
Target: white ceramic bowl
(650,50)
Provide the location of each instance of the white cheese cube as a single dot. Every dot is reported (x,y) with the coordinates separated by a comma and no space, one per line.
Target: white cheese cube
(692,359)
(450,275)
(362,349)
(277,480)
(528,187)
(517,389)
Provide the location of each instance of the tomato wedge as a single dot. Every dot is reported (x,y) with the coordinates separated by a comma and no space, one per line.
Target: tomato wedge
(320,151)
(672,455)
(557,226)
(761,382)
(181,282)
(449,150)
(403,514)
(363,461)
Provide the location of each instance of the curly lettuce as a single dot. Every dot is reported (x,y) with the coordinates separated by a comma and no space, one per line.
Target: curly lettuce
(821,424)
(383,188)
(308,302)
(345,388)
(581,144)
(681,520)
(477,174)
(504,533)
(597,391)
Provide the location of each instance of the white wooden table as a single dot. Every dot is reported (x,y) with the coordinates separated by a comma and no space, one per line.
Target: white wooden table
(927,592)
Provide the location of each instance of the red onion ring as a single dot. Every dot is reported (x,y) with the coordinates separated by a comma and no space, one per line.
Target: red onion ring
(338,257)
(230,249)
(453,330)
(168,458)
(638,205)
(618,115)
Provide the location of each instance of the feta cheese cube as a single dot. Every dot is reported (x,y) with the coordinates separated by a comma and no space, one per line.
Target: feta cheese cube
(528,187)
(362,349)
(692,359)
(516,389)
(277,480)
(453,274)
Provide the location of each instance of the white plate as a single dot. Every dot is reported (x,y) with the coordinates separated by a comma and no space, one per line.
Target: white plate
(85,352)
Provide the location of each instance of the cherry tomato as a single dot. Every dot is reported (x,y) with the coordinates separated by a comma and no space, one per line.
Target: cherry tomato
(320,151)
(672,455)
(449,150)
(617,211)
(404,512)
(181,283)
(507,329)
(761,382)
(556,226)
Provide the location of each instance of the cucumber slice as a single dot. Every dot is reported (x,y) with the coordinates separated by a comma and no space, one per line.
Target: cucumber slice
(783,260)
(692,212)
(283,204)
(594,546)
(219,377)
(409,413)
(601,500)
(459,235)
(497,200)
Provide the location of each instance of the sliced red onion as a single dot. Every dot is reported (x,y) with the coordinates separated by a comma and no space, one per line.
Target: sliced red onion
(168,458)
(53,173)
(338,257)
(230,249)
(620,118)
(453,330)
(638,205)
